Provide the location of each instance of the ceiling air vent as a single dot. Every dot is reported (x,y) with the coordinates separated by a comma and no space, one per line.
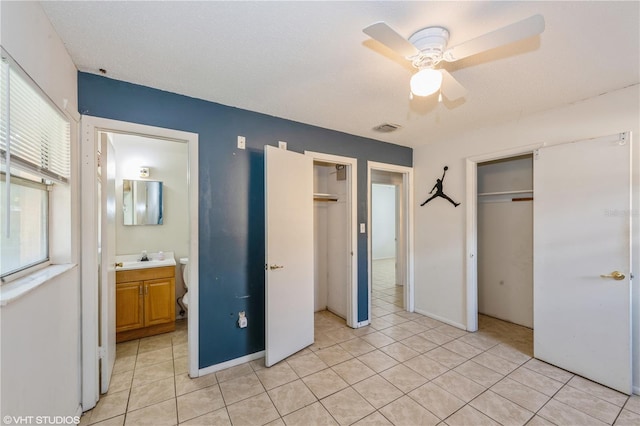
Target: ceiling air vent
(386,128)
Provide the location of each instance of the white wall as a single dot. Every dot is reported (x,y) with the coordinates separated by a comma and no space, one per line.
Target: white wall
(383,221)
(40,331)
(440,230)
(167,162)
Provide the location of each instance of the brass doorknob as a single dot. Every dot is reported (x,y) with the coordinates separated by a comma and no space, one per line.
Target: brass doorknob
(616,275)
(272,267)
(119,265)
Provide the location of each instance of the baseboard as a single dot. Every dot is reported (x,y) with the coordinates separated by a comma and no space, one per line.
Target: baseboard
(441,319)
(231,363)
(636,390)
(363,323)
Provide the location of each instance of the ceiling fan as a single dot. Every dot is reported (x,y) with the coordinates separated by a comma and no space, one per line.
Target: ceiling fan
(427,47)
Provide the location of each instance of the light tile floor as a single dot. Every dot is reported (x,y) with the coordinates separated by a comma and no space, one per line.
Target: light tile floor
(403,369)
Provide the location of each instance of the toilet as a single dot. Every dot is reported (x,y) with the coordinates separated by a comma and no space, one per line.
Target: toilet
(184,266)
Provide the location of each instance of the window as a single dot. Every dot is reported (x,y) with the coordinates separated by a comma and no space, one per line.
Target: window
(35,156)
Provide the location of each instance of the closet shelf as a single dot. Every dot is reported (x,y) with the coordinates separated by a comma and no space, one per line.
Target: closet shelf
(526,191)
(317,196)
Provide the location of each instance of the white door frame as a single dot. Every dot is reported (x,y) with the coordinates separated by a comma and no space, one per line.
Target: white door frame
(352,293)
(90,126)
(472,225)
(408,238)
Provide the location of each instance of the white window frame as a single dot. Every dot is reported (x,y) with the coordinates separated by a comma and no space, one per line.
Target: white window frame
(61,216)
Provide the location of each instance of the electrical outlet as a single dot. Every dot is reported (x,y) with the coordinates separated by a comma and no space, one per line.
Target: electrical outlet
(242,319)
(241,142)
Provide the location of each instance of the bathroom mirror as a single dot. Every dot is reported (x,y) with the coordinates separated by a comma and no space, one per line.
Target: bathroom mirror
(142,202)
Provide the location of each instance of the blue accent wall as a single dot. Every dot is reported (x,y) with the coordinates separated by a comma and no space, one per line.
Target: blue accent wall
(231,197)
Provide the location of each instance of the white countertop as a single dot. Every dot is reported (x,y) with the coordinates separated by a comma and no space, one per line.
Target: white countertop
(132,261)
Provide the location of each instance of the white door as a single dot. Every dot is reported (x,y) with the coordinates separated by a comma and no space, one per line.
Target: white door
(582,230)
(107,262)
(289,253)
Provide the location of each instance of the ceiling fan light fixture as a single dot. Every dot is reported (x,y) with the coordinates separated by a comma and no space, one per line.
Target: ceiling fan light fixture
(426,82)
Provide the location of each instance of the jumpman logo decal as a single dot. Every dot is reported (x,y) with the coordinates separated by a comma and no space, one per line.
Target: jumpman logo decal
(439,193)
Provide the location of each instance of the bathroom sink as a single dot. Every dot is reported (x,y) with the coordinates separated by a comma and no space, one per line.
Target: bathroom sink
(132,261)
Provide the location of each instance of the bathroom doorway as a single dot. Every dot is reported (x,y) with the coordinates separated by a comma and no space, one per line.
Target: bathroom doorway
(138,153)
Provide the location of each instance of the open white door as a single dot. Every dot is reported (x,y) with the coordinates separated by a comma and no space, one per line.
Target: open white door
(107,262)
(582,231)
(289,253)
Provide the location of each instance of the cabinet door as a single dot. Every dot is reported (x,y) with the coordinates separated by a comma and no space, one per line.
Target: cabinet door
(160,304)
(129,306)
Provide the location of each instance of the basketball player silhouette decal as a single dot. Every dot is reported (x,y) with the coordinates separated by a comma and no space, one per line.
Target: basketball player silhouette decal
(439,193)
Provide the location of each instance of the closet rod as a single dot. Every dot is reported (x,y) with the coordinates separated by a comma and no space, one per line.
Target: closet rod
(525,191)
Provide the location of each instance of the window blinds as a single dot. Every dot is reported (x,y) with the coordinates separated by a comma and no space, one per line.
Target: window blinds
(34,134)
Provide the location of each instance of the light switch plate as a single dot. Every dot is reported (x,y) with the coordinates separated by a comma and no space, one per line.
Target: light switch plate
(282,145)
(363,229)
(241,142)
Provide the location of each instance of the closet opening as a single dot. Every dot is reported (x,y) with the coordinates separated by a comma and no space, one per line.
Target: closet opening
(335,267)
(505,243)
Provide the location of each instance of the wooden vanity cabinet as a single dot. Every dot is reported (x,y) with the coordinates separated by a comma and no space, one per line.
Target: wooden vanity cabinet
(145,302)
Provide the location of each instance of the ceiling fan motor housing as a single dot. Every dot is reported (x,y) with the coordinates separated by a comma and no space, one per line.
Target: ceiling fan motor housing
(431,42)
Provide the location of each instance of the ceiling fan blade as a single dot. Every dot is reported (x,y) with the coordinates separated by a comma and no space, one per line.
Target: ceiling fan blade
(451,88)
(511,33)
(386,35)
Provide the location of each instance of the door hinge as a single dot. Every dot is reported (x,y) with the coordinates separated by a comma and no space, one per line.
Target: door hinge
(623,139)
(102,353)
(536,154)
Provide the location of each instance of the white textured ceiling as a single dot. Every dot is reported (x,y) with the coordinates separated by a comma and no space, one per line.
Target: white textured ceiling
(310,61)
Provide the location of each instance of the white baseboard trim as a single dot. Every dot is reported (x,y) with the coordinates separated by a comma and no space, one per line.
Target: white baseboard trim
(363,323)
(441,319)
(231,363)
(636,390)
